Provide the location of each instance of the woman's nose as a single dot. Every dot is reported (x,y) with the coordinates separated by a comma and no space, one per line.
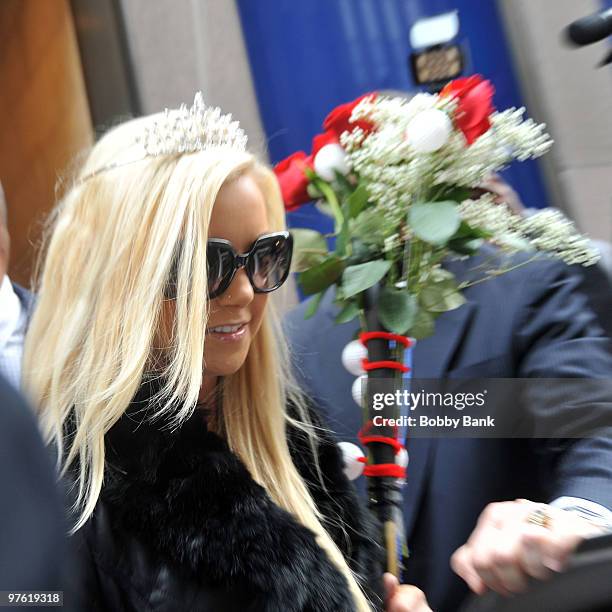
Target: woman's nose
(240,292)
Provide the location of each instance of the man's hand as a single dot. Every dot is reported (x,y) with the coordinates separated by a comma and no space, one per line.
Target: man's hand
(505,549)
(502,192)
(403,597)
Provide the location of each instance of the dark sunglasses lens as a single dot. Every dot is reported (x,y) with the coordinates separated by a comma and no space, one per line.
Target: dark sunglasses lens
(270,262)
(220,264)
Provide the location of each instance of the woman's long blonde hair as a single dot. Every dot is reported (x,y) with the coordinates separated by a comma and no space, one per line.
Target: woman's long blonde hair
(111,243)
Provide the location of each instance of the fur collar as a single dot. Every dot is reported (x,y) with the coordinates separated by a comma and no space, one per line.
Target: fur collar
(194,502)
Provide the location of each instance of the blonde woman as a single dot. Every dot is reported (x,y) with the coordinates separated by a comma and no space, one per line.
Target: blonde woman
(201,478)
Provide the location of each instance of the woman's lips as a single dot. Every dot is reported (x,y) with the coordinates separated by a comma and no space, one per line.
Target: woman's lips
(228,333)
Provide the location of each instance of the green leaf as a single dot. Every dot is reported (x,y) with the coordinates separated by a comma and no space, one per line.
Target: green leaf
(342,182)
(441,296)
(309,248)
(370,227)
(348,312)
(396,309)
(434,222)
(358,200)
(321,276)
(361,252)
(313,305)
(423,326)
(467,240)
(440,274)
(356,279)
(454,193)
(467,231)
(465,246)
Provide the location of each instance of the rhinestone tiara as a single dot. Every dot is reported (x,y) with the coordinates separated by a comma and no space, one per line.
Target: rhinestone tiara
(186,130)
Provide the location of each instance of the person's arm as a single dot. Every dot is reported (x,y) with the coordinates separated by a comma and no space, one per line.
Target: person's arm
(556,337)
(516,541)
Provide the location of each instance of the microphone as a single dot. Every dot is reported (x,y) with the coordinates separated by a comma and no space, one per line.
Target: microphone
(591,29)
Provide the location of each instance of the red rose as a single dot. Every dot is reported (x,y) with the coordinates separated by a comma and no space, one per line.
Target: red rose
(293,180)
(475,97)
(320,140)
(338,120)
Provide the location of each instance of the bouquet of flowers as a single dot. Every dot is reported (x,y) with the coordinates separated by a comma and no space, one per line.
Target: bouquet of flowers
(400,177)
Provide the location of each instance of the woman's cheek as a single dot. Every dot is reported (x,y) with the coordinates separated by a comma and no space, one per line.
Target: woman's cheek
(258,309)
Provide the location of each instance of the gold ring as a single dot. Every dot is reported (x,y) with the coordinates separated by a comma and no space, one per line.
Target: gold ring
(540,517)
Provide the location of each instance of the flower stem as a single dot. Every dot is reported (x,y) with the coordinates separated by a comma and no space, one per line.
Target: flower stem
(332,200)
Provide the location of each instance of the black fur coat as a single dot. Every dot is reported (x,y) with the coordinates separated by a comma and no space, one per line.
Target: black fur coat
(181,525)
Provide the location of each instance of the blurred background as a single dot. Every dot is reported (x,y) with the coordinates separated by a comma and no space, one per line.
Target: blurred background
(71,69)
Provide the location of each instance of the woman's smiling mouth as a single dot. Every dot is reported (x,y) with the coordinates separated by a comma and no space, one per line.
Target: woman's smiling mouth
(228,333)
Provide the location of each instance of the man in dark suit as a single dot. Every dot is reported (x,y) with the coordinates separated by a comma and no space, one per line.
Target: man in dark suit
(529,323)
(15,307)
(33,544)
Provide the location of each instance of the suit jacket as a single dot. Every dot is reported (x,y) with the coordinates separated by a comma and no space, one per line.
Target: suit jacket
(34,549)
(27,299)
(531,322)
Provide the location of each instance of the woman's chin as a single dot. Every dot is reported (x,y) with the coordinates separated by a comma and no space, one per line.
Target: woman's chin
(225,368)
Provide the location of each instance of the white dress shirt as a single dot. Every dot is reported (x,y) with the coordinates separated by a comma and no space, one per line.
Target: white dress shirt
(586,509)
(13,318)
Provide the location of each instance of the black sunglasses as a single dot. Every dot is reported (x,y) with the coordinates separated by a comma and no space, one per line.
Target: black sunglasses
(267,264)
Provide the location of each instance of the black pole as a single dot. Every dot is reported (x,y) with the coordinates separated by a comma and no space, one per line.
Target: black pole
(384,493)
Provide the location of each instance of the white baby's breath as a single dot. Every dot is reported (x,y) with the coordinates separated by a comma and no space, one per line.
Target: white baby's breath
(398,175)
(548,231)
